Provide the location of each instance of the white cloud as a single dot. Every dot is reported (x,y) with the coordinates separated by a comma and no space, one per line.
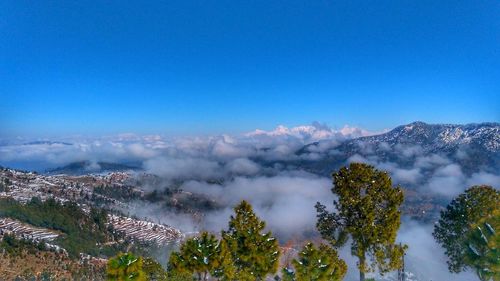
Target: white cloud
(448,181)
(406,175)
(483,178)
(286,201)
(184,168)
(425,258)
(242,166)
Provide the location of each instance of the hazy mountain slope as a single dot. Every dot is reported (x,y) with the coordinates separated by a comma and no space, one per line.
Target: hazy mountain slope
(473,146)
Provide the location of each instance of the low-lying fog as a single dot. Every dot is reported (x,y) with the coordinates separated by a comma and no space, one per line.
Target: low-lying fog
(281,193)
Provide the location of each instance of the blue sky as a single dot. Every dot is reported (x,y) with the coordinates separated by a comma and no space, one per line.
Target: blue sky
(188,67)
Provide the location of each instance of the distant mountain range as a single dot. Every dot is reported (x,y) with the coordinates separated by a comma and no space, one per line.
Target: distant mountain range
(473,146)
(442,137)
(86,167)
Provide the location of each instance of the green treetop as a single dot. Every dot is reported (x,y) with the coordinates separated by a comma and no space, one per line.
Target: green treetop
(255,254)
(203,256)
(318,264)
(125,267)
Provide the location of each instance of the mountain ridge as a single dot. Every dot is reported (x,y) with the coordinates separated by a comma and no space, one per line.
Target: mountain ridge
(449,133)
(454,141)
(473,146)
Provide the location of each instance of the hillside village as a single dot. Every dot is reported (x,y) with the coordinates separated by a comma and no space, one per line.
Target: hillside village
(23,186)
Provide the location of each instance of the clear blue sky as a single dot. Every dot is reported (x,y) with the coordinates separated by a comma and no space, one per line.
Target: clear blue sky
(104,67)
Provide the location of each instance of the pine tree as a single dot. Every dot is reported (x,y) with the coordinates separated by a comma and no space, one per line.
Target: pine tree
(255,254)
(469,231)
(483,242)
(224,268)
(125,267)
(203,256)
(319,264)
(368,212)
(153,270)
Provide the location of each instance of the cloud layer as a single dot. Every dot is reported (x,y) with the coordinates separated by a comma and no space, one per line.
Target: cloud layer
(273,170)
(278,144)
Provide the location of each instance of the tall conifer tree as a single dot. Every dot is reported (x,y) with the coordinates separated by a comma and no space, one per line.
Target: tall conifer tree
(255,254)
(469,231)
(368,211)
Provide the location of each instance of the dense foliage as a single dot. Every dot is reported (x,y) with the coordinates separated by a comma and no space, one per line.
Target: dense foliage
(245,251)
(15,246)
(368,211)
(255,253)
(316,264)
(202,256)
(82,232)
(469,231)
(126,267)
(133,267)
